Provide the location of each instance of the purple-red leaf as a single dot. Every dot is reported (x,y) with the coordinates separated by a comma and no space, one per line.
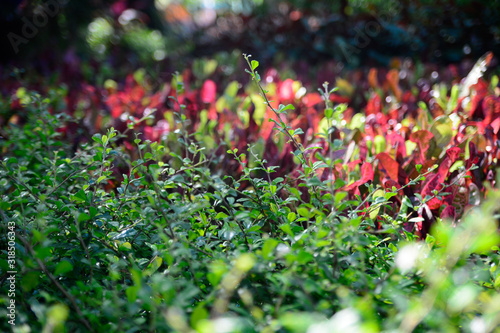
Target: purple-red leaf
(208,91)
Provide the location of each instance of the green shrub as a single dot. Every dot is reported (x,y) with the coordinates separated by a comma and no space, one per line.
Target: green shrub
(184,249)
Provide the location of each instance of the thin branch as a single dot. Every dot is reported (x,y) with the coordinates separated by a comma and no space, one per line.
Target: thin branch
(277,114)
(68,177)
(85,248)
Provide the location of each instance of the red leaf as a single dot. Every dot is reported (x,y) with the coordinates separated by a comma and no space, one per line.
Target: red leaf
(393,79)
(128,145)
(495,124)
(452,155)
(422,138)
(150,133)
(352,165)
(312,120)
(473,155)
(432,184)
(481,88)
(267,126)
(208,91)
(372,78)
(286,90)
(448,213)
(119,7)
(212,112)
(408,97)
(461,199)
(339,99)
(366,175)
(312,99)
(116,111)
(374,104)
(272,75)
(397,141)
(136,94)
(391,166)
(490,106)
(424,226)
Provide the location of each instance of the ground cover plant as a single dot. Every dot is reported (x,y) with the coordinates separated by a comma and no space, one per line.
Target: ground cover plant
(261,204)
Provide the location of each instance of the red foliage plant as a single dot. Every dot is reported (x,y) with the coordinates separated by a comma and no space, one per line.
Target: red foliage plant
(391,130)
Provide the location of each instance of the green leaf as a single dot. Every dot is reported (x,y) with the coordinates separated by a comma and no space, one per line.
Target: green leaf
(299,131)
(93,211)
(283,108)
(357,121)
(453,101)
(497,282)
(379,194)
(329,113)
(30,280)
(423,106)
(56,315)
(12,160)
(43,252)
(125,246)
(97,138)
(301,321)
(303,211)
(304,257)
(494,82)
(255,64)
(287,229)
(153,266)
(131,293)
(392,247)
(442,129)
(418,167)
(199,314)
(269,245)
(221,215)
(232,89)
(339,196)
(245,262)
(82,217)
(389,195)
(63,267)
(380,144)
(217,270)
(79,196)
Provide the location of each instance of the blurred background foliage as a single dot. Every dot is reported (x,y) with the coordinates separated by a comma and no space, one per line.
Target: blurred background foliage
(149,32)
